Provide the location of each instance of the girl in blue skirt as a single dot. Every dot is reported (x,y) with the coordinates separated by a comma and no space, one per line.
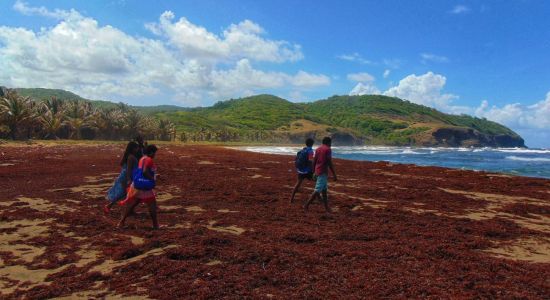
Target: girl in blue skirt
(124,180)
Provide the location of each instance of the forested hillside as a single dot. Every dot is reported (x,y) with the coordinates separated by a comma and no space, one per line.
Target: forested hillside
(369,119)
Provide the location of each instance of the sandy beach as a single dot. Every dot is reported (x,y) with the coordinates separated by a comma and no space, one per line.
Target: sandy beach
(229,230)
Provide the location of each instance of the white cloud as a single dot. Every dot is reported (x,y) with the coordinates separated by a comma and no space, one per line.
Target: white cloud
(360,77)
(460,9)
(228,82)
(355,57)
(517,115)
(24,8)
(429,57)
(364,89)
(243,40)
(188,63)
(424,89)
(306,80)
(427,89)
(532,122)
(78,54)
(386,73)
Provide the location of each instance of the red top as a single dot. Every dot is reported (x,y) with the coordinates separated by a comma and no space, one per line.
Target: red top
(323,155)
(147,162)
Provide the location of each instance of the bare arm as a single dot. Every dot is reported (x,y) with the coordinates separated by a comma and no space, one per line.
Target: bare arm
(313,164)
(331,167)
(130,163)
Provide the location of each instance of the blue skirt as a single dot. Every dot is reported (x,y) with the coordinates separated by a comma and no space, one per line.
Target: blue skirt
(118,192)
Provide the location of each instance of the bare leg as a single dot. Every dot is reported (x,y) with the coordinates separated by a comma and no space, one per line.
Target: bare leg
(110,205)
(107,207)
(314,195)
(296,188)
(325,200)
(153,212)
(129,210)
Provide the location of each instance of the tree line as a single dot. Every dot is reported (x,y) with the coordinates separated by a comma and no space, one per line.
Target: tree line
(24,118)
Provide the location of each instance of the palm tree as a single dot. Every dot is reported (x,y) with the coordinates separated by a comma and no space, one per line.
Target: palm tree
(79,115)
(51,117)
(16,112)
(166,130)
(109,122)
(51,124)
(135,123)
(123,107)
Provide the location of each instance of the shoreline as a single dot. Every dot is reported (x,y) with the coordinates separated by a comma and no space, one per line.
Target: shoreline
(378,157)
(242,146)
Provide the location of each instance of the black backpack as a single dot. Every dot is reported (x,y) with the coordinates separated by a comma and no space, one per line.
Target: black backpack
(302,159)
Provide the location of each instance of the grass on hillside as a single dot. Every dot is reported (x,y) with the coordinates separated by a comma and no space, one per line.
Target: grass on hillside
(376,118)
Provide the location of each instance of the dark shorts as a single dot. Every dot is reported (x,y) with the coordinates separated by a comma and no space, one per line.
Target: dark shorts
(308,176)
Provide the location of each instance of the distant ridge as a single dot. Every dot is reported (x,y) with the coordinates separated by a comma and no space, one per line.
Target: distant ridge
(350,120)
(45,94)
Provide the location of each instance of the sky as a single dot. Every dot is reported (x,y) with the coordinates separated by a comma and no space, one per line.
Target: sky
(484,58)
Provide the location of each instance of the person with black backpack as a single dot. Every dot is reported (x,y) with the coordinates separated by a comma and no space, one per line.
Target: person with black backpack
(304,166)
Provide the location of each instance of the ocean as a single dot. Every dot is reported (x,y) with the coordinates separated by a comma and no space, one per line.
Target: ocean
(514,161)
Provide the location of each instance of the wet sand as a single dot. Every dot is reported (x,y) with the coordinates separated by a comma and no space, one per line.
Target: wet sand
(229,230)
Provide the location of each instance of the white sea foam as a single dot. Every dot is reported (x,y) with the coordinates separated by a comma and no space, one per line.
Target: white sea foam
(409,151)
(522,150)
(389,150)
(508,160)
(271,150)
(539,159)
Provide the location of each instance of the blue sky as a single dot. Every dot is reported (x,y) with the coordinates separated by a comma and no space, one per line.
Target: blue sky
(485,58)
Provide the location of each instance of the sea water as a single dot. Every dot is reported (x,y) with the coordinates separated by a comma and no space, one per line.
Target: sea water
(515,161)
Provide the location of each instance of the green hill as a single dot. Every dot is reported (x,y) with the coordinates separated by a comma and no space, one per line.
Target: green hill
(262,112)
(392,120)
(369,119)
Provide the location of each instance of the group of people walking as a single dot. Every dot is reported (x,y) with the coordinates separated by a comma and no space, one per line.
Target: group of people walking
(137,179)
(315,165)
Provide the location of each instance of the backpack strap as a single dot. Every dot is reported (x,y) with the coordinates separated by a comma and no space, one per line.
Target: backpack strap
(141,162)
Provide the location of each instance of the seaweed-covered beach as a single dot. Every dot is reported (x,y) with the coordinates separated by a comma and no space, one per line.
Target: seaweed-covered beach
(229,231)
